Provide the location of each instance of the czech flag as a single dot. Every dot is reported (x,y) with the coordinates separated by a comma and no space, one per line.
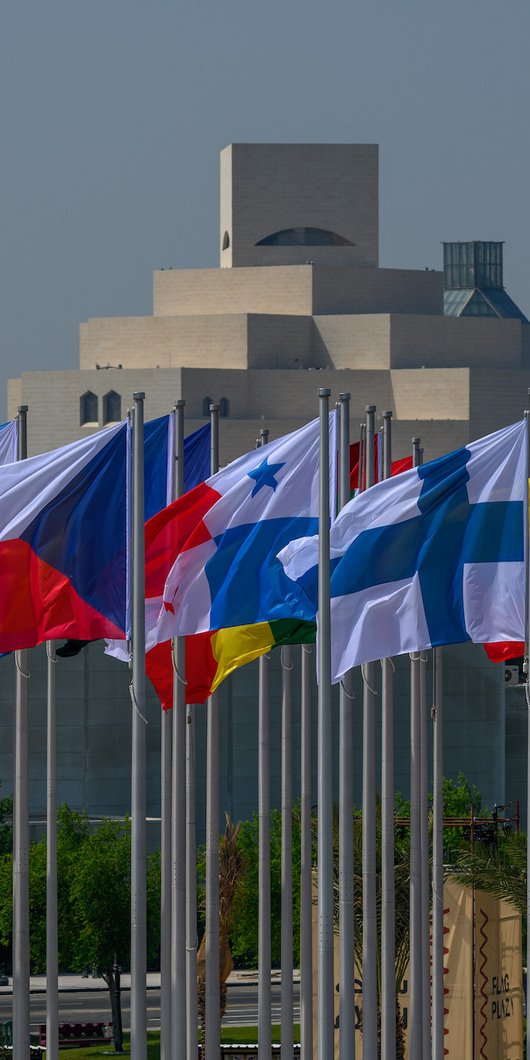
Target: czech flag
(63,542)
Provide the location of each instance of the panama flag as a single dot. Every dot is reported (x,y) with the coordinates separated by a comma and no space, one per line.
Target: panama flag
(434,556)
(225,536)
(63,537)
(8,442)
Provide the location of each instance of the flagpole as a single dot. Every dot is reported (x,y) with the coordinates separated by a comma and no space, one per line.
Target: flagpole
(306,904)
(346,896)
(212,987)
(139,742)
(388,906)
(415,973)
(369,823)
(166,878)
(287,996)
(178,803)
(52,960)
(264,881)
(325,755)
(425,865)
(437,1001)
(21,830)
(191,888)
(527,693)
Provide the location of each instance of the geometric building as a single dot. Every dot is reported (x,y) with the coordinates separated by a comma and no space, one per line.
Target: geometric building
(298,301)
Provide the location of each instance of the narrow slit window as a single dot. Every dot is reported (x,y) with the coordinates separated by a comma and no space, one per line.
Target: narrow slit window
(88,408)
(111,407)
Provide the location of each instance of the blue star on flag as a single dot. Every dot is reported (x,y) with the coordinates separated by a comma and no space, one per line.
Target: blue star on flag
(264,476)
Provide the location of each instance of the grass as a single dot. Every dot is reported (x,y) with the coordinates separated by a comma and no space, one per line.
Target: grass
(248,1035)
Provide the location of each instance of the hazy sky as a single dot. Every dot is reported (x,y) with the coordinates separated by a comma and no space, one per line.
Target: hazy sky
(113,113)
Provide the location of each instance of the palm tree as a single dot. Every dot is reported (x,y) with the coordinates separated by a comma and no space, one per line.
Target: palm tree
(231,873)
(498,867)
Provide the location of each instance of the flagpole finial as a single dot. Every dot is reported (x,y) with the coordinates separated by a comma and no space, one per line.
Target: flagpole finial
(214,407)
(345,397)
(139,395)
(23,408)
(324,391)
(370,408)
(180,403)
(387,415)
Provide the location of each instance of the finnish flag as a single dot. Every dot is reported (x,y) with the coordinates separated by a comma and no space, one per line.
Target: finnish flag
(434,556)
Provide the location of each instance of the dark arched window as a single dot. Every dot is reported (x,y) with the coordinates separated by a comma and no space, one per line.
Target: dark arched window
(88,408)
(226,241)
(111,407)
(304,237)
(224,407)
(206,402)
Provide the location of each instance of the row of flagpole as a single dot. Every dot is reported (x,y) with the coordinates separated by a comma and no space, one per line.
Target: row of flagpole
(178,946)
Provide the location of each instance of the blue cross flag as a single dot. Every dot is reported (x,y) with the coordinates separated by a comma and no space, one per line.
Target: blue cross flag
(433,556)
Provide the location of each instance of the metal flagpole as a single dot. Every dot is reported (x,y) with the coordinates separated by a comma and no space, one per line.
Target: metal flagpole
(139,743)
(52,960)
(388,906)
(264,900)
(306,903)
(264,879)
(21,831)
(287,996)
(415,972)
(178,803)
(369,823)
(166,912)
(527,693)
(191,888)
(212,987)
(437,863)
(425,865)
(325,755)
(346,908)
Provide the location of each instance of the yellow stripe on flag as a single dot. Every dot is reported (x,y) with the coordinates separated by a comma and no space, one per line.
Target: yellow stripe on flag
(238,645)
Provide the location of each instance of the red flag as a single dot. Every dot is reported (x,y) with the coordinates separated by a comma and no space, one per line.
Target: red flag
(397,465)
(504,650)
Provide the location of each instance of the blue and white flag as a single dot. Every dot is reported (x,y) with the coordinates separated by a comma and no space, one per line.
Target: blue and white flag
(226,571)
(434,556)
(8,442)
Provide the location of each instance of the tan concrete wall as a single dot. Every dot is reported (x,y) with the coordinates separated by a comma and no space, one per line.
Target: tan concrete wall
(166,341)
(366,290)
(454,342)
(189,292)
(280,342)
(14,397)
(497,397)
(278,186)
(431,393)
(348,342)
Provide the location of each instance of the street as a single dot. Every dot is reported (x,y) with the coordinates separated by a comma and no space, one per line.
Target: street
(85,1006)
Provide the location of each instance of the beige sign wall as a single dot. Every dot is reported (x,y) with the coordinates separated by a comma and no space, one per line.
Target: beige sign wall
(483,998)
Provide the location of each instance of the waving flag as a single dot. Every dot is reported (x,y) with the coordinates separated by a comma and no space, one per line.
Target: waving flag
(63,543)
(210,657)
(434,556)
(8,442)
(225,536)
(398,466)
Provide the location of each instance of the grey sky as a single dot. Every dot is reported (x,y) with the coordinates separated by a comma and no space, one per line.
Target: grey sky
(113,113)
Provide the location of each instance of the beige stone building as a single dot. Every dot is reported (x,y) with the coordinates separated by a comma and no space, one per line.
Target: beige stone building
(299,301)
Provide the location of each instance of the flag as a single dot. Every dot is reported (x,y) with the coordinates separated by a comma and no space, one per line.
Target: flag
(63,542)
(434,556)
(8,442)
(397,465)
(222,540)
(212,656)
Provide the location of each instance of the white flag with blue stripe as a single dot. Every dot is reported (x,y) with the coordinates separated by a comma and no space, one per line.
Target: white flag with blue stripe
(434,556)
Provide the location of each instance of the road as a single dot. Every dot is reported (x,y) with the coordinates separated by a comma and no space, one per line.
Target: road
(93,1006)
